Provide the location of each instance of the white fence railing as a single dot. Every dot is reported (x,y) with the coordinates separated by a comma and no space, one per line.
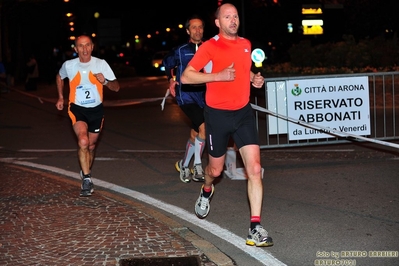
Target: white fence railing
(275,117)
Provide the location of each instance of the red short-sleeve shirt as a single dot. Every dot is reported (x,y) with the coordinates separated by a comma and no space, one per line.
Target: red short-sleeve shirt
(215,55)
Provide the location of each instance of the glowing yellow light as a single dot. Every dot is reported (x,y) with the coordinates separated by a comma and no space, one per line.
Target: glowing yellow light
(93,35)
(96,15)
(136,36)
(71,23)
(180,26)
(312,22)
(72,38)
(312,26)
(69,15)
(312,30)
(312,11)
(167,29)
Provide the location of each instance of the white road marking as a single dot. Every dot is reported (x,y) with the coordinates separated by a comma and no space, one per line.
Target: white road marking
(178,151)
(51,150)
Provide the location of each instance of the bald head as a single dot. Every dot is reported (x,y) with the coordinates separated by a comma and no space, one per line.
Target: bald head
(227,21)
(221,8)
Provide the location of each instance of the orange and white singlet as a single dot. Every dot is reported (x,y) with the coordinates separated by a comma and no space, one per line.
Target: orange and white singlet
(85,89)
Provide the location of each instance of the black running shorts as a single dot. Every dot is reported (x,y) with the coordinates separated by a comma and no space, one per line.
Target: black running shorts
(93,116)
(195,113)
(220,125)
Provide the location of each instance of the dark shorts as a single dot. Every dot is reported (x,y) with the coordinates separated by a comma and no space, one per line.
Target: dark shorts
(94,117)
(221,125)
(195,113)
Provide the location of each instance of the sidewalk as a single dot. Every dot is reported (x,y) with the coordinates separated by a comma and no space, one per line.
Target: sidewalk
(45,222)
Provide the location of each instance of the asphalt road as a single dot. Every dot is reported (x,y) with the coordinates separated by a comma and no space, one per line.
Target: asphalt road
(322,204)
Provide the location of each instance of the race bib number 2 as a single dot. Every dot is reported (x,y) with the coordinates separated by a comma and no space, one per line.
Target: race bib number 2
(86,94)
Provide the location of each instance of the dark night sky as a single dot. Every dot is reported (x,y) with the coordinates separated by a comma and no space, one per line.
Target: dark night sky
(45,18)
(38,21)
(37,26)
(148,16)
(42,22)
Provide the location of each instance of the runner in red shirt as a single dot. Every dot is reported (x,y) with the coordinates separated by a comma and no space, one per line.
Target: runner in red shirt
(226,60)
